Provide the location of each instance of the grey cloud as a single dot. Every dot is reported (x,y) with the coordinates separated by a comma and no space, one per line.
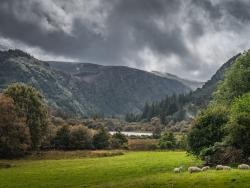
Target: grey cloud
(117,31)
(217,9)
(241,11)
(214,11)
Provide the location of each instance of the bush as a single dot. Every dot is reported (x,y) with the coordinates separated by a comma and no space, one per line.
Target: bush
(14,135)
(182,143)
(48,141)
(101,139)
(29,104)
(119,140)
(167,141)
(62,138)
(80,137)
(221,153)
(208,128)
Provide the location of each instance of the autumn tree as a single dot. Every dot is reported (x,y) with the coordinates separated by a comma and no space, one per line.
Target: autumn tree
(14,134)
(30,105)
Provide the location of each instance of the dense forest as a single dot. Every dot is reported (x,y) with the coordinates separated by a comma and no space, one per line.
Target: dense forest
(169,109)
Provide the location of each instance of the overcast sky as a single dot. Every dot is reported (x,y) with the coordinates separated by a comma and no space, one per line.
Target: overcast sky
(189,38)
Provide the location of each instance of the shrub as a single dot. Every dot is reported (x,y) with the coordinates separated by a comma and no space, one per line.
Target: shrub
(62,138)
(167,141)
(221,153)
(14,135)
(101,139)
(80,137)
(208,128)
(119,140)
(48,141)
(182,143)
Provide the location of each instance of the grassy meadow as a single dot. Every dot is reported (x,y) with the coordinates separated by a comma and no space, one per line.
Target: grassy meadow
(131,169)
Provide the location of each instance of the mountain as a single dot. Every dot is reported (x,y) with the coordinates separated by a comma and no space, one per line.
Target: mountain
(192,84)
(174,109)
(203,95)
(83,88)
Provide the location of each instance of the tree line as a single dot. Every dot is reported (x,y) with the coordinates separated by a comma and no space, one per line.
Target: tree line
(26,126)
(169,109)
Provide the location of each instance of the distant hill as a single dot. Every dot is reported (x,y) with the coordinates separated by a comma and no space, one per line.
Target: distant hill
(203,95)
(174,109)
(192,84)
(83,88)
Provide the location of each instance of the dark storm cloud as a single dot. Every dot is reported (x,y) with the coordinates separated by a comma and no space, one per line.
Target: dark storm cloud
(214,11)
(190,38)
(237,8)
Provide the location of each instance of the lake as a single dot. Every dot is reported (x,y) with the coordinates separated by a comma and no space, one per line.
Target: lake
(132,133)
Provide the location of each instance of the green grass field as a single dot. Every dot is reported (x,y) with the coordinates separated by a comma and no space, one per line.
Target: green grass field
(133,169)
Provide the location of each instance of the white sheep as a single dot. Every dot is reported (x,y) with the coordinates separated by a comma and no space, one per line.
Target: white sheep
(178,170)
(194,169)
(219,167)
(205,168)
(244,167)
(227,168)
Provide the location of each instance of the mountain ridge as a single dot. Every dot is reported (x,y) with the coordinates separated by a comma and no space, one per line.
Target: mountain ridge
(192,84)
(203,95)
(82,88)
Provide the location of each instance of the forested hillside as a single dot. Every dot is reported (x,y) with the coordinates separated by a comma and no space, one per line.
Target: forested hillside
(182,107)
(82,89)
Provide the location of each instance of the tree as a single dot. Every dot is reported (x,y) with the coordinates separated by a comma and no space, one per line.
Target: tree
(80,137)
(182,143)
(208,128)
(236,82)
(118,140)
(146,114)
(62,138)
(131,117)
(239,125)
(29,104)
(156,122)
(101,139)
(14,135)
(48,141)
(167,141)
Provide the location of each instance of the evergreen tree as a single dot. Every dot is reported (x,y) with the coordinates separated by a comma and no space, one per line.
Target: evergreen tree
(167,141)
(119,140)
(101,139)
(62,138)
